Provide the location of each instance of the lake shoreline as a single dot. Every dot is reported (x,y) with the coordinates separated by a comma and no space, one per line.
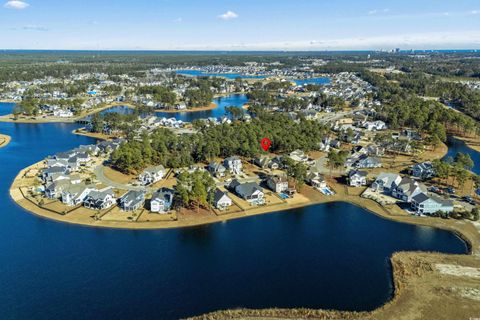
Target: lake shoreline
(472,143)
(4,140)
(469,236)
(10,117)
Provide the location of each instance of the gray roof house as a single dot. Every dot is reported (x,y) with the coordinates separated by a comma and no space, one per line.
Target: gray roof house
(368,162)
(423,203)
(221,200)
(385,182)
(100,199)
(54,189)
(277,184)
(234,164)
(407,189)
(423,170)
(250,192)
(316,180)
(357,178)
(152,175)
(132,200)
(75,194)
(216,169)
(162,200)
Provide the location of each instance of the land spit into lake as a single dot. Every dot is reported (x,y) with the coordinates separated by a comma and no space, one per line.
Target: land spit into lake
(52,119)
(4,140)
(211,106)
(473,142)
(426,284)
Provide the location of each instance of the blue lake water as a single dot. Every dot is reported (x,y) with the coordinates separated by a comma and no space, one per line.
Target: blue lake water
(324,256)
(6,108)
(198,73)
(236,100)
(318,81)
(458,146)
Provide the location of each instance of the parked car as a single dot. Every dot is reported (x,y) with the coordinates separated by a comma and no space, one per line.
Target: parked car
(469,200)
(450,190)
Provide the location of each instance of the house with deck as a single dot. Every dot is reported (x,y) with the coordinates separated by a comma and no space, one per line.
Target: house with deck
(75,194)
(100,199)
(250,192)
(424,203)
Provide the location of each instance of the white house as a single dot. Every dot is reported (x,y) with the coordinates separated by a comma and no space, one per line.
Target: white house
(75,194)
(357,178)
(385,182)
(278,184)
(152,175)
(234,164)
(162,200)
(221,200)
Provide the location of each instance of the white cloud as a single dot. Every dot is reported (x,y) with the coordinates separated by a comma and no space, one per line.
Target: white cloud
(375,11)
(178,20)
(34,27)
(475,12)
(16,4)
(228,15)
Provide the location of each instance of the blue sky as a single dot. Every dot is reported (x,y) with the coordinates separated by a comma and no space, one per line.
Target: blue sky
(239,24)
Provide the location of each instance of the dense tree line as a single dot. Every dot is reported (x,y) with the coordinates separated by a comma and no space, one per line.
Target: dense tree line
(404,108)
(240,138)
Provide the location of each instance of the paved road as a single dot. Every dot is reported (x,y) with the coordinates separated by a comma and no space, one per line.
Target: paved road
(101,177)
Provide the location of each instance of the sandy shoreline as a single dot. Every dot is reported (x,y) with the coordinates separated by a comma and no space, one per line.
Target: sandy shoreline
(4,140)
(9,117)
(472,143)
(465,230)
(415,280)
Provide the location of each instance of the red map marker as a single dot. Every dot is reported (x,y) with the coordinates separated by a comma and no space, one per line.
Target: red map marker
(265,143)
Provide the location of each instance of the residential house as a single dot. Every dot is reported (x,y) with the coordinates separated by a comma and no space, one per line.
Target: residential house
(132,200)
(162,200)
(298,156)
(423,203)
(374,125)
(234,164)
(100,199)
(216,169)
(423,170)
(278,184)
(316,180)
(250,192)
(385,182)
(221,200)
(75,194)
(152,175)
(357,178)
(54,190)
(368,162)
(407,189)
